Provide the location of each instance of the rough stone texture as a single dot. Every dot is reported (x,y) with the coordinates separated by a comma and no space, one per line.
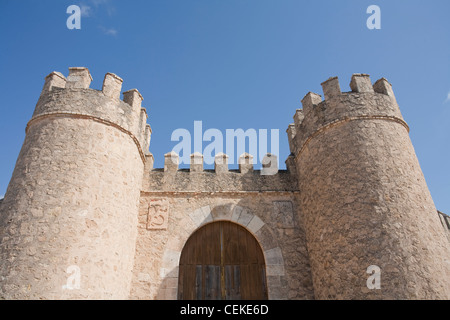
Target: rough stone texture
(87,102)
(86,216)
(208,181)
(276,228)
(71,207)
(79,77)
(445,220)
(365,202)
(266,205)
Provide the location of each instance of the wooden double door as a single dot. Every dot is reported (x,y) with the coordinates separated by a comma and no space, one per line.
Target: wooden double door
(222,261)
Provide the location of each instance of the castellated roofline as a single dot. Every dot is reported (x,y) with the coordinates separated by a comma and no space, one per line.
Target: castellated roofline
(72,97)
(364,101)
(220,180)
(245,161)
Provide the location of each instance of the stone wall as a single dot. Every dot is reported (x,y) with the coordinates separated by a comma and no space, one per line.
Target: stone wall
(68,223)
(364,198)
(265,205)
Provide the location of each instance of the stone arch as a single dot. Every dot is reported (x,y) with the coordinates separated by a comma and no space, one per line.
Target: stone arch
(274,262)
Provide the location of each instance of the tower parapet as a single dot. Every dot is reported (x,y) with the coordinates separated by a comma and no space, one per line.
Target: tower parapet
(365,101)
(72,97)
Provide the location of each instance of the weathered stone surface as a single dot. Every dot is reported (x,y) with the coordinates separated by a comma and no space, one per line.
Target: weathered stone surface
(365,202)
(69,219)
(86,216)
(60,211)
(157,251)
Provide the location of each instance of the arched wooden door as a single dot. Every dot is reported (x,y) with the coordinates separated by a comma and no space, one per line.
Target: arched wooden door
(222,260)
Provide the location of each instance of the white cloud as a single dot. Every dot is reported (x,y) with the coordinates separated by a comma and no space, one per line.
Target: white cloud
(109,31)
(94,6)
(110,10)
(106,4)
(2,196)
(101,5)
(86,11)
(99,2)
(448,98)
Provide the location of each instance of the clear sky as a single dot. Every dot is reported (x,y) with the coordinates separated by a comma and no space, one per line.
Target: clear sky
(233,64)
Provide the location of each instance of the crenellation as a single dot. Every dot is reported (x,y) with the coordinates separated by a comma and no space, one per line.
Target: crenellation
(221,163)
(143,118)
(147,137)
(133,98)
(363,102)
(361,83)
(79,78)
(331,88)
(291,132)
(245,162)
(112,85)
(142,127)
(171,162)
(384,87)
(59,98)
(196,162)
(298,118)
(149,161)
(269,164)
(54,80)
(310,100)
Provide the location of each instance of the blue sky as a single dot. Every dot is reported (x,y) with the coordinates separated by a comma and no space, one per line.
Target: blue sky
(233,64)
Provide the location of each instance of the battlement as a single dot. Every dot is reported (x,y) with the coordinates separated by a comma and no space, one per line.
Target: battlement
(72,97)
(245,161)
(197,179)
(364,101)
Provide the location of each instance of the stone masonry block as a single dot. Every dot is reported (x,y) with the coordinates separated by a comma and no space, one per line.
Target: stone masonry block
(133,98)
(274,256)
(171,161)
(221,163)
(196,162)
(269,165)
(79,78)
(245,163)
(54,79)
(331,88)
(361,83)
(291,132)
(112,85)
(383,86)
(255,224)
(147,137)
(298,118)
(312,99)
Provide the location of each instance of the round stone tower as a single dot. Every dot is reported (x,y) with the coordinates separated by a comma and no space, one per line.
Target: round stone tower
(68,222)
(372,229)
